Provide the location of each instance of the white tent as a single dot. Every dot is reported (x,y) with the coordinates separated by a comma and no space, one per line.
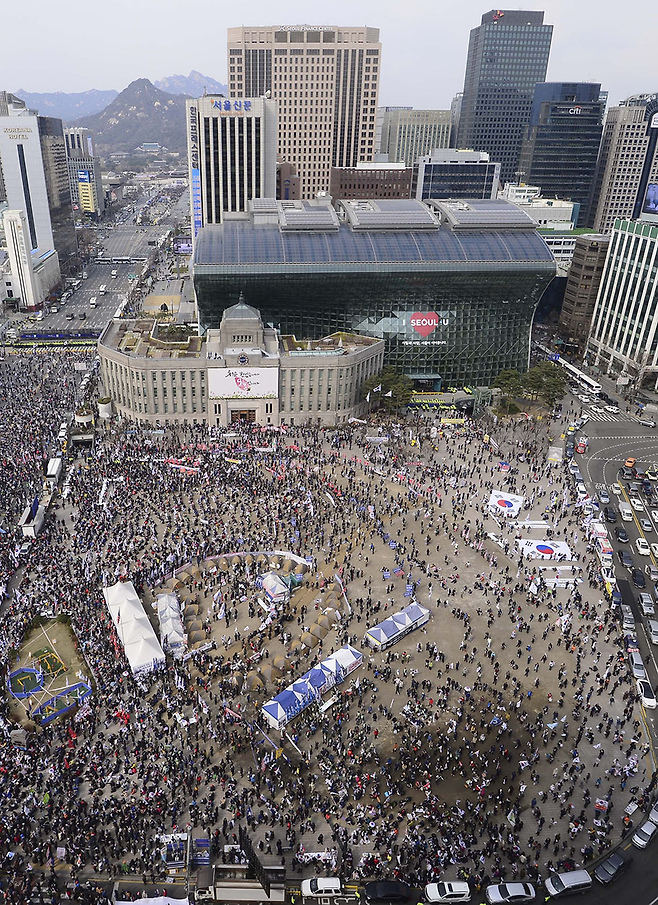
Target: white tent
(133,627)
(276,589)
(171,626)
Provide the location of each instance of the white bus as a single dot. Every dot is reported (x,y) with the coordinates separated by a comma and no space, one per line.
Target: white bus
(103,289)
(592,386)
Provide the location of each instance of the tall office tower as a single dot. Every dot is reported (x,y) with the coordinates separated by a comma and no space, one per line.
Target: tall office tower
(507,56)
(455,112)
(326,82)
(231,150)
(561,144)
(408,134)
(628,160)
(583,281)
(85,181)
(35,173)
(19,249)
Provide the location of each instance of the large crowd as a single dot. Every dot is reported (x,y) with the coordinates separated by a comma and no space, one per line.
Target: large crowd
(501,740)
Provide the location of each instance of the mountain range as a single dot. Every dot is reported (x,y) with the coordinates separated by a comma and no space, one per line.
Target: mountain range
(72,106)
(141,112)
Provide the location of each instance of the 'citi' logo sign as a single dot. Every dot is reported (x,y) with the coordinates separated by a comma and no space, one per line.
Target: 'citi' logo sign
(426,322)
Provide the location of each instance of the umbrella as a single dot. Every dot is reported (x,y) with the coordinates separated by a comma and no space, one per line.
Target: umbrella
(319,631)
(309,640)
(326,621)
(254,680)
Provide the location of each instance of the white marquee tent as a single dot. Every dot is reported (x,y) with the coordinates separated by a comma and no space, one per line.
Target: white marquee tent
(133,627)
(171,626)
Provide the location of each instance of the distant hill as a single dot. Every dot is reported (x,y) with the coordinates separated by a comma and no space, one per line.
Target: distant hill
(141,112)
(193,85)
(67,106)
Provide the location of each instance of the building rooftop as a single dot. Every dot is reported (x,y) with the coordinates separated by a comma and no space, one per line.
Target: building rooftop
(149,338)
(335,344)
(382,232)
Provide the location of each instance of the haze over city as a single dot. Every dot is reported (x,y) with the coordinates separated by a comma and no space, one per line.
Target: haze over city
(424,42)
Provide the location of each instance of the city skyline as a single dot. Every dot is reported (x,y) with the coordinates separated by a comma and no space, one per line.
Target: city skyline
(421,65)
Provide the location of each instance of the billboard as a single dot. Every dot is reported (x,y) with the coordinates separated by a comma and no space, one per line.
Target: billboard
(83,176)
(182,245)
(650,204)
(243,383)
(197,213)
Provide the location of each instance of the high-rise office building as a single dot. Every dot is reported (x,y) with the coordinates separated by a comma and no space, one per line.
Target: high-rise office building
(231,148)
(35,175)
(628,160)
(455,113)
(326,82)
(408,134)
(32,273)
(85,181)
(451,173)
(624,331)
(561,144)
(507,56)
(583,281)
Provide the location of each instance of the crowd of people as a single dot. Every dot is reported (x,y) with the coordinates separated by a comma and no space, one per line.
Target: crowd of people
(501,740)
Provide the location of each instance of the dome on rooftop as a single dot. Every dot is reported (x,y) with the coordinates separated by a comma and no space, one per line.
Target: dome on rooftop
(242,310)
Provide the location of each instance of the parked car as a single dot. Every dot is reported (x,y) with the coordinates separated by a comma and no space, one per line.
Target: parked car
(456,891)
(604,496)
(625,558)
(646,694)
(637,504)
(321,886)
(394,891)
(646,524)
(638,579)
(643,836)
(642,547)
(614,865)
(621,534)
(509,892)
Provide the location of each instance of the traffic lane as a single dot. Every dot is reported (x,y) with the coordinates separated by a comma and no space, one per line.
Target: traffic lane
(637,884)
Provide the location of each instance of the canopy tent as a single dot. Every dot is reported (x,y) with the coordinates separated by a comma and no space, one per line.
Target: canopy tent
(171,626)
(275,588)
(393,629)
(133,627)
(311,686)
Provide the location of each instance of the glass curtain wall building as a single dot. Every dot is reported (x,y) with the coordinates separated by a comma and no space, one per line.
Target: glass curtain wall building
(451,287)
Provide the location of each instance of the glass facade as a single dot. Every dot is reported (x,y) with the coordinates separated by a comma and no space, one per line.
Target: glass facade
(460,180)
(452,306)
(56,172)
(507,56)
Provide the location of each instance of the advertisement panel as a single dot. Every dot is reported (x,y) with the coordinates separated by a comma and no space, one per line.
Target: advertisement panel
(650,205)
(83,176)
(182,245)
(243,383)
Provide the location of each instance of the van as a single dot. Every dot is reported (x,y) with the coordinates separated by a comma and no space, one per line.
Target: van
(652,631)
(568,884)
(626,513)
(637,666)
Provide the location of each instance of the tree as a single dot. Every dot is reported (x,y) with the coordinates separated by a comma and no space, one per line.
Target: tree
(509,383)
(391,381)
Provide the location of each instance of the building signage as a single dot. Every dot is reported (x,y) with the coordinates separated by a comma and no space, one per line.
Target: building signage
(427,322)
(193,129)
(575,111)
(197,211)
(83,175)
(243,383)
(654,121)
(226,106)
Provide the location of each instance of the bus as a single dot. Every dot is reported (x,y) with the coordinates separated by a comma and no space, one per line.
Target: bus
(103,289)
(584,380)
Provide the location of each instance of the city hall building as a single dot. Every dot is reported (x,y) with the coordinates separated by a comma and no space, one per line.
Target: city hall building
(451,287)
(242,371)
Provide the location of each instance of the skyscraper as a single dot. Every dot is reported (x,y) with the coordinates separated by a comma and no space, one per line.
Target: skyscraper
(628,159)
(507,56)
(408,134)
(85,182)
(561,144)
(231,147)
(35,174)
(326,82)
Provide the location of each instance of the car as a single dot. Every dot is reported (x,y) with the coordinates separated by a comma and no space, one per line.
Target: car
(604,496)
(597,408)
(646,524)
(642,547)
(626,474)
(643,836)
(388,891)
(614,865)
(457,891)
(645,602)
(625,558)
(69,316)
(584,399)
(608,575)
(631,645)
(647,697)
(83,315)
(653,814)
(637,504)
(638,578)
(25,547)
(610,514)
(652,472)
(321,886)
(614,409)
(621,534)
(616,489)
(584,418)
(640,475)
(509,892)
(581,490)
(630,462)
(651,571)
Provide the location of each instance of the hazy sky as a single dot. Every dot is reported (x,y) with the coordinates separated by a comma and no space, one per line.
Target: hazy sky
(68,46)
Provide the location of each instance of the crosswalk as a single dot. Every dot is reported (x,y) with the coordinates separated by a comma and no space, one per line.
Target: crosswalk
(610,416)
